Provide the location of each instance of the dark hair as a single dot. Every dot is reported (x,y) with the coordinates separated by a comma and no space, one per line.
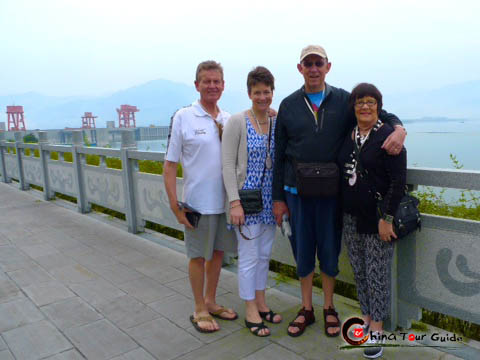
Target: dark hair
(258,75)
(366,89)
(208,65)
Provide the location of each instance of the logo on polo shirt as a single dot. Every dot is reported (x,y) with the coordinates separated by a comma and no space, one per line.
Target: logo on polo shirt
(200,131)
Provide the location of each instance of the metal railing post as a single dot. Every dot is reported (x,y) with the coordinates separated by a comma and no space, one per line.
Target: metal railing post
(3,166)
(21,175)
(128,143)
(42,141)
(77,139)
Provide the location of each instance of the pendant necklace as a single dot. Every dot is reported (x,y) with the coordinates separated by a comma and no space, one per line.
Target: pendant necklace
(268,160)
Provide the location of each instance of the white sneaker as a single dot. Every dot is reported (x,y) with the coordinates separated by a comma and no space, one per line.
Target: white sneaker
(373,352)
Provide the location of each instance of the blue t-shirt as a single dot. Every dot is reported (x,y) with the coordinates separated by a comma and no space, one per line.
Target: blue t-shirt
(316,99)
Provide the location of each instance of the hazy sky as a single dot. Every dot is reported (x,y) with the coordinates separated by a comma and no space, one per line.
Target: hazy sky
(92,47)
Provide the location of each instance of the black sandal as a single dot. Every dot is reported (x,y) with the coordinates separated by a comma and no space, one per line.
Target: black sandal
(258,326)
(264,314)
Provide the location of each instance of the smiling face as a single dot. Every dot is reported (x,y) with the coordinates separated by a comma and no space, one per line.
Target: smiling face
(210,85)
(261,96)
(366,111)
(314,68)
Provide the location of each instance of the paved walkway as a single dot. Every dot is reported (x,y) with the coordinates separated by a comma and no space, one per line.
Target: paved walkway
(79,286)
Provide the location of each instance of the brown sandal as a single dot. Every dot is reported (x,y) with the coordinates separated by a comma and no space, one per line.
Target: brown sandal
(331,324)
(301,326)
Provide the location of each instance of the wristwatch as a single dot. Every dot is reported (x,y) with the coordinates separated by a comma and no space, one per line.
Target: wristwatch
(388,218)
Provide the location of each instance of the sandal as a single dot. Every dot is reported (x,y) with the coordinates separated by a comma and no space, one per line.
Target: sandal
(202,318)
(301,326)
(259,326)
(331,324)
(218,314)
(271,315)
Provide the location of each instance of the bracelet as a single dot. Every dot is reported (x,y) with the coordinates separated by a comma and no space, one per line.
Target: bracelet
(233,206)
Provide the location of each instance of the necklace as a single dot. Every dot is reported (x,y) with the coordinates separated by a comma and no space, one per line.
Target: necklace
(268,160)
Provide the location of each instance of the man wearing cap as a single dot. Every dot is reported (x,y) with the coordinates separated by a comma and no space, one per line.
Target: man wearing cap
(311,125)
(194,139)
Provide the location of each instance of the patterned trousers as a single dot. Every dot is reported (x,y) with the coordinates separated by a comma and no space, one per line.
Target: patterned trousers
(371,260)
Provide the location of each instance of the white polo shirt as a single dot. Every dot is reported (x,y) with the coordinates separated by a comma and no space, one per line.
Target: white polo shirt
(194,142)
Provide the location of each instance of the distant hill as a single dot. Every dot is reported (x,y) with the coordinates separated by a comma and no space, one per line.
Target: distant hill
(158,100)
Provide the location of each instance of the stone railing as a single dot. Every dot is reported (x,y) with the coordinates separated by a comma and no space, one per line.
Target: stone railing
(435,269)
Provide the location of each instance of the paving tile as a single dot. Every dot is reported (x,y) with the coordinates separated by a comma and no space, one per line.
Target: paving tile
(111,248)
(73,274)
(12,259)
(92,258)
(161,273)
(183,287)
(35,251)
(177,308)
(234,346)
(36,341)
(9,291)
(67,355)
(273,352)
(127,312)
(31,275)
(18,313)
(3,346)
(77,250)
(131,257)
(97,292)
(49,262)
(71,312)
(100,340)
(6,355)
(175,341)
(48,292)
(116,273)
(146,290)
(137,354)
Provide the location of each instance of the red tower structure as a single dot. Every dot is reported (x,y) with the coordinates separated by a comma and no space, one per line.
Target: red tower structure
(88,121)
(16,120)
(126,116)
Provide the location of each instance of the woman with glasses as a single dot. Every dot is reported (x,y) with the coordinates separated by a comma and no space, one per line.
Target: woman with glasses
(370,174)
(247,156)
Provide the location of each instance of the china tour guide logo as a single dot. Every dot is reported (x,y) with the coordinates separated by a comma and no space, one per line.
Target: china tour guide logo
(355,334)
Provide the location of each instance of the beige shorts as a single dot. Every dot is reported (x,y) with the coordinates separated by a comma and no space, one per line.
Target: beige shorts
(211,234)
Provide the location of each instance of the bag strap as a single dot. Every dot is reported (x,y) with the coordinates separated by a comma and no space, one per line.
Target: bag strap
(268,147)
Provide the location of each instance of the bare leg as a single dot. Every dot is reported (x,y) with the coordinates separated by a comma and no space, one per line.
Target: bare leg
(376,326)
(212,269)
(196,272)
(328,285)
(306,285)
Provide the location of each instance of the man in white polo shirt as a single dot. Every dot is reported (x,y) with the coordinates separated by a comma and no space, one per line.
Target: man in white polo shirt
(195,141)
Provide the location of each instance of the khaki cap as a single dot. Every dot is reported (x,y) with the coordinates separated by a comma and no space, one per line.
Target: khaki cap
(313,50)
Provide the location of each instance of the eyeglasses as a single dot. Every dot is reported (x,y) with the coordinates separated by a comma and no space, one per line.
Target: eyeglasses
(369,103)
(318,63)
(245,236)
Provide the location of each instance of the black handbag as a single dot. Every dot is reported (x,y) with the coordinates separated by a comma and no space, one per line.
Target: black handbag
(317,179)
(407,217)
(251,201)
